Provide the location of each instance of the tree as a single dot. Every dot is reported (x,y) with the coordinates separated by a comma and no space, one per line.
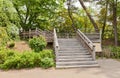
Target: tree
(115,21)
(105,17)
(112,10)
(69,3)
(35,13)
(90,17)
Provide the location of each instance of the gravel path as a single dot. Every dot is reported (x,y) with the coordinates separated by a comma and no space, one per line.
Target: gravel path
(109,69)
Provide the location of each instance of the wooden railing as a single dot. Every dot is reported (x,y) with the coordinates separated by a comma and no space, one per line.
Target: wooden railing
(55,42)
(86,43)
(37,32)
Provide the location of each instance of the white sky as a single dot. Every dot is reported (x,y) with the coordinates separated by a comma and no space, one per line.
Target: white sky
(87,4)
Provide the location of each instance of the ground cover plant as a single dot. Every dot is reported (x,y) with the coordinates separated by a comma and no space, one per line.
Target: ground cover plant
(10,59)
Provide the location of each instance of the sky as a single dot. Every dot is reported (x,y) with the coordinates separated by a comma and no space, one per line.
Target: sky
(87,4)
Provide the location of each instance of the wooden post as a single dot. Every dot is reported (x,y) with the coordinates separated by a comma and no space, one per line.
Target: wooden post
(93,54)
(29,33)
(56,45)
(101,38)
(36,32)
(24,34)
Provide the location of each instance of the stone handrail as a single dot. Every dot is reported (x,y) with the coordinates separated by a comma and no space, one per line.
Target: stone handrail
(87,43)
(56,45)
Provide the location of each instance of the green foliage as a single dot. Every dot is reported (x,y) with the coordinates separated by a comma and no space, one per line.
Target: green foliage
(35,13)
(46,53)
(111,52)
(3,36)
(47,62)
(37,43)
(47,58)
(10,59)
(13,32)
(115,52)
(11,44)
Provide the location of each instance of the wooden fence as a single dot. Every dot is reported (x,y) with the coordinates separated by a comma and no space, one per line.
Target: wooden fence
(37,32)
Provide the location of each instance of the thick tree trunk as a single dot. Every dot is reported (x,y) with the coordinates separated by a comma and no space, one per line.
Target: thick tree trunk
(105,19)
(90,17)
(115,22)
(70,15)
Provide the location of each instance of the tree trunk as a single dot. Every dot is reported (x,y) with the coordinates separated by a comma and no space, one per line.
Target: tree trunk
(105,19)
(90,17)
(115,22)
(70,15)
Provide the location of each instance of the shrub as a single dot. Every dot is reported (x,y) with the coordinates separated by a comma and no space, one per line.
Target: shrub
(9,59)
(37,43)
(3,36)
(47,62)
(111,52)
(47,58)
(13,32)
(47,53)
(5,54)
(11,44)
(115,52)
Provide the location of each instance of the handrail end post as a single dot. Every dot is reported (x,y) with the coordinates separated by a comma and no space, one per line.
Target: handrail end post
(94,54)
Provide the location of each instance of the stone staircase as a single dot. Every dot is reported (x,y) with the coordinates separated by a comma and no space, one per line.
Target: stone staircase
(72,54)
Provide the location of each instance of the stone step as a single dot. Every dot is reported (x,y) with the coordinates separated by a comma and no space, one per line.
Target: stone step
(78,66)
(70,47)
(62,46)
(70,44)
(72,51)
(75,59)
(76,63)
(73,39)
(68,41)
(72,57)
(72,54)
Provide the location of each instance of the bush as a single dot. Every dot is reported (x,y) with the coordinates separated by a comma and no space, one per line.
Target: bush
(47,53)
(37,43)
(3,36)
(47,62)
(115,52)
(10,59)
(47,58)
(11,44)
(13,32)
(111,52)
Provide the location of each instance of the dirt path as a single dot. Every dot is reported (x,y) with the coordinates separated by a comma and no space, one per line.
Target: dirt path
(52,73)
(21,46)
(109,69)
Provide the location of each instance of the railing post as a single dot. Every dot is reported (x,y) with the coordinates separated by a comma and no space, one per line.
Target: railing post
(29,33)
(24,34)
(56,45)
(93,54)
(36,32)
